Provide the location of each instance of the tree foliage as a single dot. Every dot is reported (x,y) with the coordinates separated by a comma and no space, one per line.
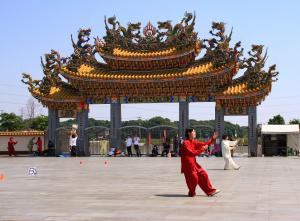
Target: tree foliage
(278,119)
(39,123)
(294,121)
(11,122)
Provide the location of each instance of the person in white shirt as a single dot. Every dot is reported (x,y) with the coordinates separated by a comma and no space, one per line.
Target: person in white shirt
(128,145)
(227,146)
(73,141)
(136,143)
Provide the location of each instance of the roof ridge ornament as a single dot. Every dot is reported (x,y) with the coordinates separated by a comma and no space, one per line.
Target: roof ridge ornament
(165,35)
(149,30)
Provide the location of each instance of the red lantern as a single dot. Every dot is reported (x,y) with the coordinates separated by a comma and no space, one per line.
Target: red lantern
(81,105)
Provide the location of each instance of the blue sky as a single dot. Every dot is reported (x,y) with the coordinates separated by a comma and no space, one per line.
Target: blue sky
(33,27)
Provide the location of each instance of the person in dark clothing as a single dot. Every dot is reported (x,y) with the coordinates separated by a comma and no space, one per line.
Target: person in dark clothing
(175,145)
(154,151)
(50,152)
(166,147)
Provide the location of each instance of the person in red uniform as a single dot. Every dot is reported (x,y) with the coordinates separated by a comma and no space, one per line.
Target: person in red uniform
(39,144)
(193,172)
(10,146)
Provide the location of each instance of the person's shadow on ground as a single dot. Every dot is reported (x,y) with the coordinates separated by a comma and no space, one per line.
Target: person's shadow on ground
(176,195)
(215,169)
(172,195)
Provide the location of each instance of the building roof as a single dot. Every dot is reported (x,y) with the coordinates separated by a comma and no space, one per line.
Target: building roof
(173,57)
(119,52)
(279,129)
(21,133)
(86,71)
(60,97)
(62,94)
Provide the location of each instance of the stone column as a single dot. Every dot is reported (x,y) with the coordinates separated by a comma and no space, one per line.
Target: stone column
(115,124)
(183,116)
(82,121)
(219,127)
(53,124)
(252,133)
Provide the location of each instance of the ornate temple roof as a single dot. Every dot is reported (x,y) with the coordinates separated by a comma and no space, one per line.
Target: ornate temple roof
(241,95)
(59,97)
(148,60)
(158,66)
(59,93)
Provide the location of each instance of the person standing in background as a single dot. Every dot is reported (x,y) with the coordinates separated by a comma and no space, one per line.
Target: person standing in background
(39,144)
(136,143)
(73,144)
(30,144)
(227,146)
(11,146)
(128,145)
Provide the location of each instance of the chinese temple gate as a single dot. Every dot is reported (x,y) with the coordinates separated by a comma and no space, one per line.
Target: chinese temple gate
(158,64)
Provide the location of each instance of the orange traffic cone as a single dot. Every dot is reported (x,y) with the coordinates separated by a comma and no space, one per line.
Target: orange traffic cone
(2,177)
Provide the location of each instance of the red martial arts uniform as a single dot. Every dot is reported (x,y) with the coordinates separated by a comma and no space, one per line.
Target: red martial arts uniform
(193,172)
(10,147)
(39,144)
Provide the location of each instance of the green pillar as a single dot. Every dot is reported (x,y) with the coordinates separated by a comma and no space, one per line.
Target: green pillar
(115,124)
(82,121)
(183,116)
(252,133)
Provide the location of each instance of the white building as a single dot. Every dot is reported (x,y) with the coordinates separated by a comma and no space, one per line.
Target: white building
(277,139)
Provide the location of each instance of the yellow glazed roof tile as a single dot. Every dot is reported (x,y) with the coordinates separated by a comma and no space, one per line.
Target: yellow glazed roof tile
(238,89)
(125,53)
(87,71)
(57,94)
(22,133)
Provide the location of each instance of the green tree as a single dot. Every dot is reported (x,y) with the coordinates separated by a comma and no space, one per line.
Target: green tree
(103,123)
(154,121)
(68,123)
(229,128)
(91,123)
(11,122)
(39,123)
(278,119)
(295,121)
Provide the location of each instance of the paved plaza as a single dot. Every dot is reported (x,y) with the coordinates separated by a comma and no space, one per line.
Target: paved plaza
(129,189)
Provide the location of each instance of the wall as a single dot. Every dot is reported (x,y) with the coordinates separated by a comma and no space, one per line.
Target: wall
(293,141)
(20,146)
